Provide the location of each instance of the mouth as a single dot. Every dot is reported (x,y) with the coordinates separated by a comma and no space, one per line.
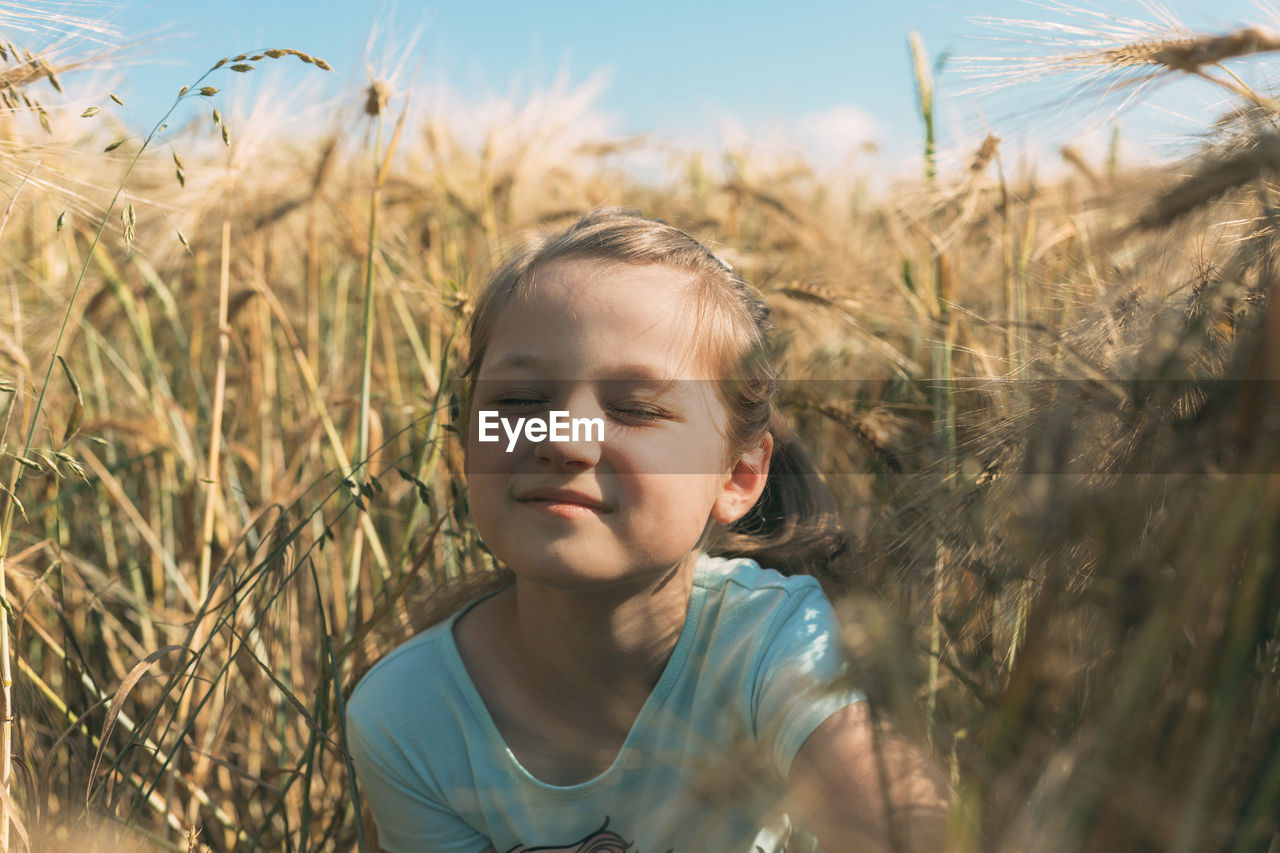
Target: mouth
(563,502)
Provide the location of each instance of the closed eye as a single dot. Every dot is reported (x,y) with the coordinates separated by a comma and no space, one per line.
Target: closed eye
(520,404)
(637,414)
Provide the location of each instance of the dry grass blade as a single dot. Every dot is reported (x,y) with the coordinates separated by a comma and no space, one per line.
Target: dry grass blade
(77,406)
(387,157)
(46,20)
(22,75)
(11,811)
(1110,57)
(813,294)
(877,431)
(1076,37)
(1073,156)
(117,702)
(8,209)
(1213,179)
(288,694)
(1190,54)
(986,152)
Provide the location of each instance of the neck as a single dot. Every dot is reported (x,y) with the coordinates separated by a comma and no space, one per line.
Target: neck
(615,640)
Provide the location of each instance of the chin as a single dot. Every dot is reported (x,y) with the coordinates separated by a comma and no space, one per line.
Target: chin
(570,569)
(566,569)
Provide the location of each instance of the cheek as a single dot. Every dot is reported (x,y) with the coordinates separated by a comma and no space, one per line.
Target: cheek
(678,452)
(485,495)
(486,468)
(488,457)
(676,503)
(680,505)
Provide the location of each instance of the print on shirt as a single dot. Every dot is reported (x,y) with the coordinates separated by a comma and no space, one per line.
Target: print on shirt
(600,841)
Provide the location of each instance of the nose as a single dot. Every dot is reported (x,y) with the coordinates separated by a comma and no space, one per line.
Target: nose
(585,433)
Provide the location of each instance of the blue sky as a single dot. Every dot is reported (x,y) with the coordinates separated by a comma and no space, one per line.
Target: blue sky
(828,72)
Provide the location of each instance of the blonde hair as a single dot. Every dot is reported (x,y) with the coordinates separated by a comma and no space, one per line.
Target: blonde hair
(793,527)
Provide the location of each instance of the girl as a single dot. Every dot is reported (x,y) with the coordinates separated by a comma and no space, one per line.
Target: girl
(626,688)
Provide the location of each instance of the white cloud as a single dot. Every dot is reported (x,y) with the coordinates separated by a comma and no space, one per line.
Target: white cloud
(834,140)
(837,137)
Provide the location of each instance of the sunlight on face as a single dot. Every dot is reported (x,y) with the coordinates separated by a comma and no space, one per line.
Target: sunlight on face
(610,341)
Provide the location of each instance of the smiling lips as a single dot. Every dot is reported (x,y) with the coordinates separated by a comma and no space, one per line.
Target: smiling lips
(565,503)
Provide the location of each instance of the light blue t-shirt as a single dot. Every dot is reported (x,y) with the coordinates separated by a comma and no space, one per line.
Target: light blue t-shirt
(702,770)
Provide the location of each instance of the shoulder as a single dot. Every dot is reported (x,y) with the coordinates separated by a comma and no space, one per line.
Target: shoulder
(787,611)
(400,677)
(407,657)
(745,574)
(430,661)
(410,719)
(744,590)
(760,620)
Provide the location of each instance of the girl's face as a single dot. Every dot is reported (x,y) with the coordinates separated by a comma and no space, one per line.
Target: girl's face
(615,342)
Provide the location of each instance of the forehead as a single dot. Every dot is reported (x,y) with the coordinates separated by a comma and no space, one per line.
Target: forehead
(633,292)
(596,317)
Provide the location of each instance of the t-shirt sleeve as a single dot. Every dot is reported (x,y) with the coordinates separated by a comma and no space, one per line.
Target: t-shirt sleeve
(802,678)
(408,817)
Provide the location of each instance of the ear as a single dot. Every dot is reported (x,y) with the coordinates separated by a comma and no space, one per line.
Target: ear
(744,483)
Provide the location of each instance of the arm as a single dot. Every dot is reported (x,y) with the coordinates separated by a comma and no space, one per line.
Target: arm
(863,787)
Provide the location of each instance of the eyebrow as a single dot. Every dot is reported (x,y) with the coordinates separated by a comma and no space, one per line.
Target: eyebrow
(515,359)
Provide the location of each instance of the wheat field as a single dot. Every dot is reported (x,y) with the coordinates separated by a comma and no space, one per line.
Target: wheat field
(1049,409)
